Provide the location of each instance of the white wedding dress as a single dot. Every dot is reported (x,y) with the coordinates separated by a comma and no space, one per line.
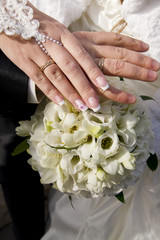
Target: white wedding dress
(106,218)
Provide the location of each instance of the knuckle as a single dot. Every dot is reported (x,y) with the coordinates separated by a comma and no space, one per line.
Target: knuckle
(121,52)
(71,66)
(92,70)
(81,53)
(118,66)
(117,37)
(143,74)
(88,91)
(145,61)
(72,96)
(38,77)
(122,97)
(56,75)
(135,44)
(50,92)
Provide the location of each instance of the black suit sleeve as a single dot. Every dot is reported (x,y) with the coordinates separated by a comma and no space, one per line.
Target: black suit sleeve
(13,84)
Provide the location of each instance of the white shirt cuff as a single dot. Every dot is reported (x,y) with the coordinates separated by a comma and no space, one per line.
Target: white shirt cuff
(34,93)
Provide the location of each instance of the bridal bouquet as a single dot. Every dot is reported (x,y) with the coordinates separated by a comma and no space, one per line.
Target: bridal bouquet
(88,154)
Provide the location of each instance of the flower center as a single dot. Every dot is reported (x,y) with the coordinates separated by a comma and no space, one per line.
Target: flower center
(106,143)
(89,139)
(73,129)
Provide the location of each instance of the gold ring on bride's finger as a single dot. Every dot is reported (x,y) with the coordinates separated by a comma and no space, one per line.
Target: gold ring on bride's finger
(48,63)
(101,63)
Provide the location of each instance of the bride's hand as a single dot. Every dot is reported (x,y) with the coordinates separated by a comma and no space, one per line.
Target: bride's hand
(121,57)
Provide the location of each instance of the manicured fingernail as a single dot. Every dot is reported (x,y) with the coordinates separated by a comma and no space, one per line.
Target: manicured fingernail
(155,65)
(96,109)
(153,75)
(145,46)
(59,100)
(94,105)
(102,83)
(81,106)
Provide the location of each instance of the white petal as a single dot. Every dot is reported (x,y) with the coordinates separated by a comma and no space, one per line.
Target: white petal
(69,120)
(67,140)
(110,166)
(87,149)
(49,176)
(53,138)
(92,178)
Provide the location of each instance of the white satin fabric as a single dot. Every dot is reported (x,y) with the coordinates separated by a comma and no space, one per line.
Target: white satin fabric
(106,218)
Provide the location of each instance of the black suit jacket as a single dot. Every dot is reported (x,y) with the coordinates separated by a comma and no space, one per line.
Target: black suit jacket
(13,107)
(13,87)
(21,185)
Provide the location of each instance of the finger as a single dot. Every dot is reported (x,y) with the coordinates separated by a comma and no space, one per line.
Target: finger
(117,40)
(60,82)
(42,82)
(127,56)
(117,95)
(114,67)
(76,76)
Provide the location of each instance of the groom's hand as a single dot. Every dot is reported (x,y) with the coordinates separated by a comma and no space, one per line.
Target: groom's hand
(121,57)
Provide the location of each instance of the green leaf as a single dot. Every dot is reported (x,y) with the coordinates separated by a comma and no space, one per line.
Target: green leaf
(23,146)
(121,78)
(145,98)
(70,199)
(120,197)
(68,149)
(152,162)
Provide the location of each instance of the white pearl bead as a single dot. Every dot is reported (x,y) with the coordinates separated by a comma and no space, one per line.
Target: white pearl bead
(47,37)
(43,49)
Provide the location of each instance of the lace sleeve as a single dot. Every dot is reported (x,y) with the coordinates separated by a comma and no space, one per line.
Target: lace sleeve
(17,18)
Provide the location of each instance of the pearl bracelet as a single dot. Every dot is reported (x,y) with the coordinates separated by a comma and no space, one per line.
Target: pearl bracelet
(46,37)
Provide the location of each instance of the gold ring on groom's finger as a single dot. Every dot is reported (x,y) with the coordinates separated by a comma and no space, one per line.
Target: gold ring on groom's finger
(48,63)
(101,63)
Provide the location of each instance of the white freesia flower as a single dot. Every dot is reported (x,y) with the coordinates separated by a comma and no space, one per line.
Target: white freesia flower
(89,154)
(25,128)
(99,119)
(108,143)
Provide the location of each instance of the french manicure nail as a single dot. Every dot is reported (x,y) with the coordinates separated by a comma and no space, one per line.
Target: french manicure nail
(59,100)
(81,105)
(94,105)
(102,83)
(96,109)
